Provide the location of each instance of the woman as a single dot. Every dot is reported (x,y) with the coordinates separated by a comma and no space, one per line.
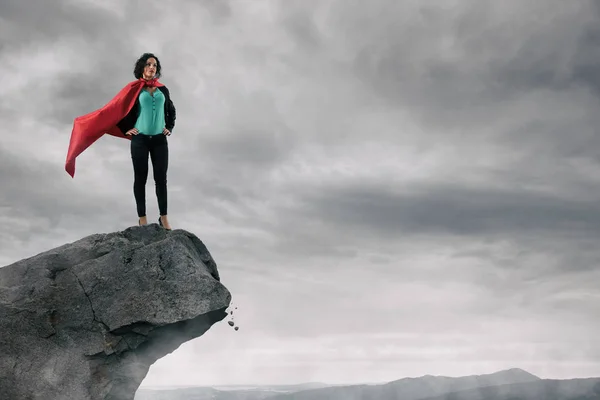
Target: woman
(149,122)
(144,113)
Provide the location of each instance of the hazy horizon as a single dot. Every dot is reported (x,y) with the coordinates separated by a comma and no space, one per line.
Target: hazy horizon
(338,383)
(250,384)
(389,188)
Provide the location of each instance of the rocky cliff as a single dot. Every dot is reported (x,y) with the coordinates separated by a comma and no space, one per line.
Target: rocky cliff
(87,319)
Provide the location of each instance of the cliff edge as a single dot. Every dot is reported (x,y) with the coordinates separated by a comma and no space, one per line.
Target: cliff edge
(86,320)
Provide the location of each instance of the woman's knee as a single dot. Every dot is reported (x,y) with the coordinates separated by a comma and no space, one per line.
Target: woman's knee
(160,180)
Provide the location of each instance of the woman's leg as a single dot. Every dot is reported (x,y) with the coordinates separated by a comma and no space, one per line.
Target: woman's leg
(139,157)
(159,153)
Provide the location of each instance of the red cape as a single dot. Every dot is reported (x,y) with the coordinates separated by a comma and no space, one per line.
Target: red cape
(90,127)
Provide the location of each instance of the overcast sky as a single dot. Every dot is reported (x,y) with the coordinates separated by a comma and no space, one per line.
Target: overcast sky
(390,188)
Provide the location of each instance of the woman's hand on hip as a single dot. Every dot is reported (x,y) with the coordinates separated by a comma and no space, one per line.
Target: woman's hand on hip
(132,131)
(166,132)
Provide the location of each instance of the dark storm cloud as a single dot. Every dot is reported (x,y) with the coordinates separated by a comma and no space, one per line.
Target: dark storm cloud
(42,25)
(251,147)
(543,61)
(42,22)
(454,210)
(34,190)
(257,137)
(40,186)
(457,65)
(219,9)
(459,68)
(298,21)
(77,94)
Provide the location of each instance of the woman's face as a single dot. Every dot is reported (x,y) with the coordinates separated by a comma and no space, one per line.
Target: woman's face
(150,68)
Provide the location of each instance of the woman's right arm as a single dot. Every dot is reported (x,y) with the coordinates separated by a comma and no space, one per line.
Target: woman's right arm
(126,125)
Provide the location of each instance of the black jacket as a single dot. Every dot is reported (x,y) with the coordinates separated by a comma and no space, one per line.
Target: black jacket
(128,122)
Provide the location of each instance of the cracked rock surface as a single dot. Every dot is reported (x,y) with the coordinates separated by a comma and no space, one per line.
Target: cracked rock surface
(86,320)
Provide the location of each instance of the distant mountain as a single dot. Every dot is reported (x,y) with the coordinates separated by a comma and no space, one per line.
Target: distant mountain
(546,389)
(511,384)
(412,388)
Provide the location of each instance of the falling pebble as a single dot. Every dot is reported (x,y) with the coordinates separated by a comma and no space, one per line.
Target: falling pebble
(230,323)
(236,328)
(231,312)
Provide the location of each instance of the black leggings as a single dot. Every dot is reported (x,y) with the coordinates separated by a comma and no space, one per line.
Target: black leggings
(157,147)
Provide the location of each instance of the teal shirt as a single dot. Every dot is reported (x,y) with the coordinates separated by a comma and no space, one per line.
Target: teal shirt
(151,117)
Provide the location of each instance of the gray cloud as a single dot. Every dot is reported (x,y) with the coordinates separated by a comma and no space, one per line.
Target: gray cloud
(257,138)
(36,22)
(443,209)
(31,187)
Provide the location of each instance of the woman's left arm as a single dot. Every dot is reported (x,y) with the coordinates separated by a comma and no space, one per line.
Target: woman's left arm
(170,112)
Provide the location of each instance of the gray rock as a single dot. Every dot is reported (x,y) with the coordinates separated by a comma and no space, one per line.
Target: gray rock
(86,320)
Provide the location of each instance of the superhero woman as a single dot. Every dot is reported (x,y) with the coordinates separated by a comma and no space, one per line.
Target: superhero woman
(142,112)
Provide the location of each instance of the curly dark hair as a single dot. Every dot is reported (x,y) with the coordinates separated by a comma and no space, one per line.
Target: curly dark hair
(138,70)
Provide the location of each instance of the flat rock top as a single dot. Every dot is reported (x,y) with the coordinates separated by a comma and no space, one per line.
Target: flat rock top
(161,276)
